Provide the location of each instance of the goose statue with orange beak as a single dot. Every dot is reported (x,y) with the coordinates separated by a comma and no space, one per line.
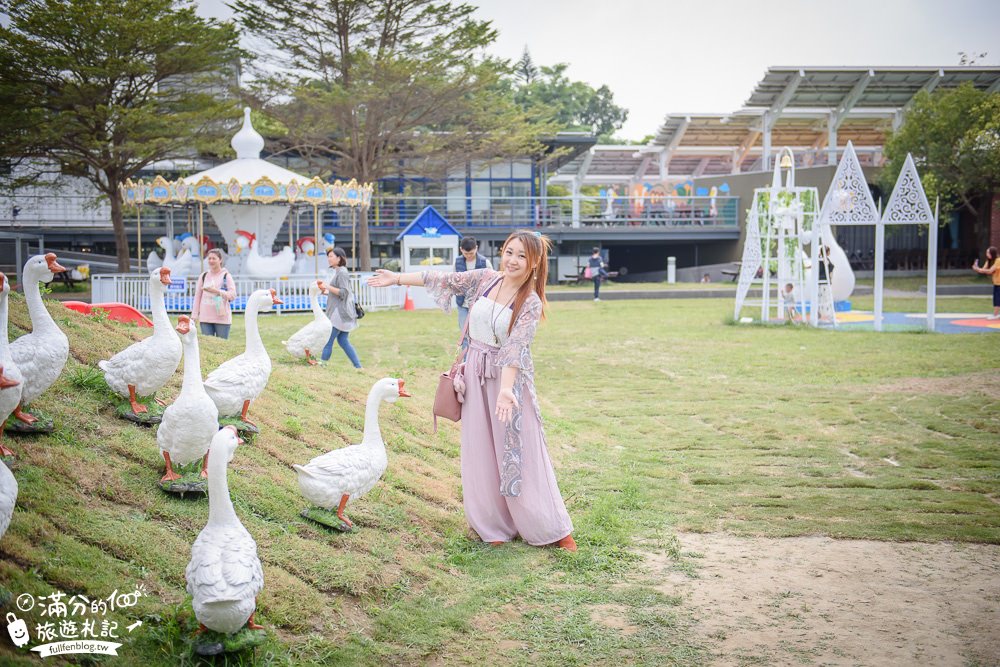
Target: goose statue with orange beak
(10,374)
(238,382)
(310,339)
(142,368)
(192,420)
(335,478)
(41,354)
(224,575)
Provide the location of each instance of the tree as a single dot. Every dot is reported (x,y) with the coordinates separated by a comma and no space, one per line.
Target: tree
(571,104)
(102,88)
(954,136)
(525,69)
(362,85)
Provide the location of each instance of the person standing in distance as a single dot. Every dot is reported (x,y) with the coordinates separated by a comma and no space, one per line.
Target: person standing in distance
(596,265)
(469,259)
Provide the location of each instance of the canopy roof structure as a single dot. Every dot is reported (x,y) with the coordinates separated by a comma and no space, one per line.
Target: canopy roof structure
(813,110)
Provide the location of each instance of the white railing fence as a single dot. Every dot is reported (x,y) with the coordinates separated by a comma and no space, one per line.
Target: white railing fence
(293,291)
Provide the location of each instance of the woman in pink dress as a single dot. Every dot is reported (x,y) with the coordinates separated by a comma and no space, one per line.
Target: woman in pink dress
(509,486)
(215,290)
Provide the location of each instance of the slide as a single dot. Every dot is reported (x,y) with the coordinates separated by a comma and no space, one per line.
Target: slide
(120,312)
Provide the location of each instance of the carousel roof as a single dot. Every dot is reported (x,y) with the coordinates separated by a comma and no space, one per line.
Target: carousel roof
(247,179)
(247,167)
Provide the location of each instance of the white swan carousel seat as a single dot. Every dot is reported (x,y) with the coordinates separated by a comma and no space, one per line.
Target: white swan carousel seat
(144,367)
(179,264)
(192,420)
(10,374)
(310,339)
(276,266)
(333,479)
(239,381)
(305,256)
(41,354)
(224,576)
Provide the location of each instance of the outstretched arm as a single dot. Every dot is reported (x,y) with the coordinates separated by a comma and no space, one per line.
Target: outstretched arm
(384,278)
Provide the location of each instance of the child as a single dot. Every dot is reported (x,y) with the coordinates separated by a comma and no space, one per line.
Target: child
(788,297)
(992,269)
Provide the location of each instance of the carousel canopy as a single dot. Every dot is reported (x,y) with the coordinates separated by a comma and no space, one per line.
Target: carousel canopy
(247,179)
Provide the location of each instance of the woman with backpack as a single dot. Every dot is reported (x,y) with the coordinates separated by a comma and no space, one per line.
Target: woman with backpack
(216,290)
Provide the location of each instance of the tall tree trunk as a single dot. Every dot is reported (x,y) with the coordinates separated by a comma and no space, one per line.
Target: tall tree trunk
(121,240)
(364,242)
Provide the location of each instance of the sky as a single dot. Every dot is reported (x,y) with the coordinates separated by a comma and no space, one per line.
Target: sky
(663,56)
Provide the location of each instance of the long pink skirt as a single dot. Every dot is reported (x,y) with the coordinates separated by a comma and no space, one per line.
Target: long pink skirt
(539,514)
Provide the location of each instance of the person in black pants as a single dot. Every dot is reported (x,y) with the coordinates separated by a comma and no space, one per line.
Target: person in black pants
(597,271)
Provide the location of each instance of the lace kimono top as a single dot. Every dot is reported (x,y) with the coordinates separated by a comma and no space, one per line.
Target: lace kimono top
(514,352)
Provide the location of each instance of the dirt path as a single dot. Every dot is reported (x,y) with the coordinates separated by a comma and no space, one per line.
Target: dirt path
(820,601)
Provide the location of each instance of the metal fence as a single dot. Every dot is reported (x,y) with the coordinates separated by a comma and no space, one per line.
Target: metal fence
(651,211)
(293,291)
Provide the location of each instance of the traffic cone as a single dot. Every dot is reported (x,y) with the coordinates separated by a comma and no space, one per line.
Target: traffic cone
(408,302)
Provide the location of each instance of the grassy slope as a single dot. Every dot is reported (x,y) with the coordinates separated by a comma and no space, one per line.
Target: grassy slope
(659,417)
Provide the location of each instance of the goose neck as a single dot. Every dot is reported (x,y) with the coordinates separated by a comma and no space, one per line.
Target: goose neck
(40,317)
(220,505)
(192,367)
(161,321)
(254,343)
(373,434)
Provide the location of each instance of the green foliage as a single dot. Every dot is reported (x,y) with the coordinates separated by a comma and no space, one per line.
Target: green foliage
(572,105)
(363,84)
(954,136)
(102,88)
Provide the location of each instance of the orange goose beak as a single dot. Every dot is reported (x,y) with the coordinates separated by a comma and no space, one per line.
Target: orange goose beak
(403,392)
(183,324)
(274,298)
(54,266)
(165,275)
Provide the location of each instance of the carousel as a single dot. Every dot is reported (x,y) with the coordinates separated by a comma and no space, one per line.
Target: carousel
(249,200)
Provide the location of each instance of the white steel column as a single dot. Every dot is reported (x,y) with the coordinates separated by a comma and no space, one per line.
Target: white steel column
(932,243)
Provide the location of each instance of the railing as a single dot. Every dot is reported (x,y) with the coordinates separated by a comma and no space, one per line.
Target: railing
(650,211)
(293,291)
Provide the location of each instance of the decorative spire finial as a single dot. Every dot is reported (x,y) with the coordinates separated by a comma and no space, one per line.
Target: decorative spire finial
(247,142)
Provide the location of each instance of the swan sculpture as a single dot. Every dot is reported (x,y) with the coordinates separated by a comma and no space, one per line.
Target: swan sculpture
(8,497)
(333,479)
(276,266)
(192,420)
(10,375)
(224,576)
(142,368)
(237,382)
(311,338)
(41,354)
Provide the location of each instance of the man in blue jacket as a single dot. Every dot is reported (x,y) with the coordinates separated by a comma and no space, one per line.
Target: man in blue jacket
(468,260)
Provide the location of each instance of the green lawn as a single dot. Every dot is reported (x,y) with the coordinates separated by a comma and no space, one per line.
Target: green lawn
(660,418)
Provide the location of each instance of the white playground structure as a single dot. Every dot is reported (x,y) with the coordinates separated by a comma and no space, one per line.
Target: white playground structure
(785,219)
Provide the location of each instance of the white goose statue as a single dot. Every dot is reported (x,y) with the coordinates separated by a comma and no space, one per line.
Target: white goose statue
(276,266)
(333,479)
(10,374)
(41,354)
(311,338)
(144,367)
(8,497)
(192,420)
(224,576)
(237,382)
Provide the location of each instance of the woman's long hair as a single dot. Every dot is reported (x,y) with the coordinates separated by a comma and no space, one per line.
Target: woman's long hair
(991,254)
(536,250)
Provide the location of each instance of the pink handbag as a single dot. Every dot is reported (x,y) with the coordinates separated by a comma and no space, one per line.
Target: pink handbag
(446,402)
